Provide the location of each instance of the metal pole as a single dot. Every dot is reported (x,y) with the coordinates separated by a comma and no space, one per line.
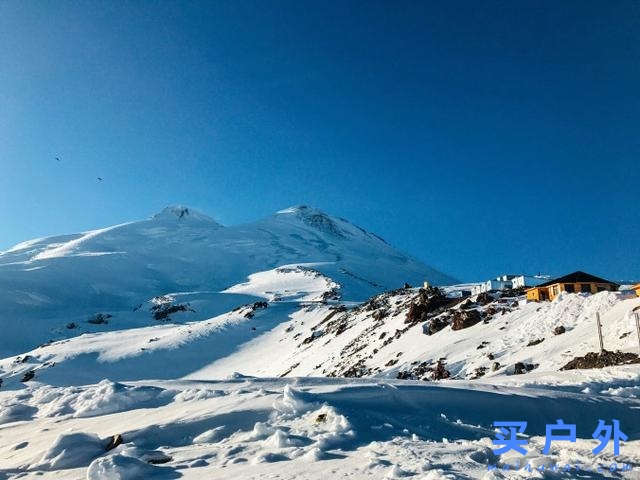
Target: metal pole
(637,315)
(600,332)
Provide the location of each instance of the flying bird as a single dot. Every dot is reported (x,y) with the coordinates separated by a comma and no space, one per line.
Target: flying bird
(57,159)
(99,179)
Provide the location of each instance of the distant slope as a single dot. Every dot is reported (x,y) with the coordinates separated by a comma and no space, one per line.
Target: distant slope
(46,283)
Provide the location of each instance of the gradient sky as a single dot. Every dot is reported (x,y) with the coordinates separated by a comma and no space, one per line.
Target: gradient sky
(481,137)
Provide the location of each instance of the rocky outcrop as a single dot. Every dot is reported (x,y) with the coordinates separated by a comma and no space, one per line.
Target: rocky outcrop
(601,360)
(465,319)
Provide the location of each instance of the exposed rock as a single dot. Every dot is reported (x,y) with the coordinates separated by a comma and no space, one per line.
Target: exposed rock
(479,372)
(435,324)
(163,312)
(114,441)
(495,366)
(559,330)
(600,360)
(440,372)
(521,368)
(99,318)
(29,375)
(535,342)
(484,298)
(429,302)
(465,319)
(258,305)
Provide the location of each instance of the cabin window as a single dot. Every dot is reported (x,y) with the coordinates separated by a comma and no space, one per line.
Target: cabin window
(569,287)
(585,288)
(602,288)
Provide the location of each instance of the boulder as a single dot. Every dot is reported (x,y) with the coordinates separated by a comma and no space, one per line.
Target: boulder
(465,319)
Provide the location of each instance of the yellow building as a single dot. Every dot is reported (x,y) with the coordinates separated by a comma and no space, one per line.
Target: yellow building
(636,288)
(576,282)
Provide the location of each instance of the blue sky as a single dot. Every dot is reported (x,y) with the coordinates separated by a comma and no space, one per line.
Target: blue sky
(481,137)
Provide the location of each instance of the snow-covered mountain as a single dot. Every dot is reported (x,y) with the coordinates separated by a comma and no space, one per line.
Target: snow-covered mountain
(178,348)
(186,412)
(114,269)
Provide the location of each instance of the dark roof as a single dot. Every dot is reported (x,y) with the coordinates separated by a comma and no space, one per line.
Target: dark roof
(576,277)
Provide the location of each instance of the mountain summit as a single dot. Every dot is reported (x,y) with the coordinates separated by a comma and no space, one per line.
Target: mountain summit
(181,250)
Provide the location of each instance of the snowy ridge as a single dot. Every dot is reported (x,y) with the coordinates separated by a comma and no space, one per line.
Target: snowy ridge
(50,282)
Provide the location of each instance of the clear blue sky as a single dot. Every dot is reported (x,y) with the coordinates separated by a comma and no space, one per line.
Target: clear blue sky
(481,137)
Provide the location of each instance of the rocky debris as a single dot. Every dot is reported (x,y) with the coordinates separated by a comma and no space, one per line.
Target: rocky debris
(440,372)
(332,294)
(99,318)
(406,286)
(321,418)
(535,342)
(295,365)
(315,334)
(359,369)
(482,345)
(521,367)
(425,371)
(559,330)
(421,372)
(490,356)
(29,375)
(484,298)
(429,302)
(495,366)
(436,324)
(600,360)
(20,359)
(114,441)
(258,305)
(512,292)
(479,372)
(1,381)
(163,306)
(624,335)
(465,319)
(162,312)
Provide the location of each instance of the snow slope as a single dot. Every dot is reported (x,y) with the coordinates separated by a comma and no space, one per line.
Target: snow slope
(47,283)
(299,428)
(171,400)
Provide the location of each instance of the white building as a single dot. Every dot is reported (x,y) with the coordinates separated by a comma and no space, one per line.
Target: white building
(503,282)
(529,280)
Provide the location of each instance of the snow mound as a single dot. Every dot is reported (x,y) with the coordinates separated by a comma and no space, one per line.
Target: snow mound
(290,283)
(71,450)
(122,467)
(103,398)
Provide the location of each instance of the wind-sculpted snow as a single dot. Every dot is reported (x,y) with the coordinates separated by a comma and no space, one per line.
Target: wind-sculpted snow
(53,282)
(305,428)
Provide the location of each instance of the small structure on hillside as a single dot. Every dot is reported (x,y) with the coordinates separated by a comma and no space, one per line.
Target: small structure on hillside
(503,282)
(576,282)
(636,288)
(523,281)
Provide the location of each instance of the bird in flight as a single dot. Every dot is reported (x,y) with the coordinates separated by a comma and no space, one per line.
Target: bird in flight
(57,159)
(99,179)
